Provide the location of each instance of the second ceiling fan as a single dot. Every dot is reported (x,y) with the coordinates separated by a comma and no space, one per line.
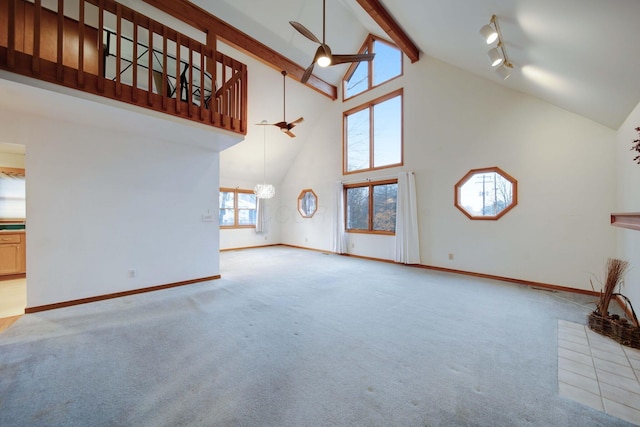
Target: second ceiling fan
(323,55)
(285,126)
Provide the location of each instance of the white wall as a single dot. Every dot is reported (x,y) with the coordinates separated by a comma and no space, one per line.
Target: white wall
(454,121)
(11,160)
(101,201)
(629,201)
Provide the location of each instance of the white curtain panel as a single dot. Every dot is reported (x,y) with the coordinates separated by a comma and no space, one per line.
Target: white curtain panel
(407,239)
(261,217)
(339,237)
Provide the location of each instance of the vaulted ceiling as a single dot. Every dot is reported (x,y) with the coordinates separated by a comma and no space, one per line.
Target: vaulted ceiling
(580,55)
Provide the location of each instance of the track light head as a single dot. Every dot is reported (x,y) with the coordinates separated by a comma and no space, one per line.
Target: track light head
(504,71)
(495,57)
(489,33)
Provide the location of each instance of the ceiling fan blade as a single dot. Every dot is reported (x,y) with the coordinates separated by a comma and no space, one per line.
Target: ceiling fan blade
(281,125)
(307,73)
(304,31)
(343,59)
(297,121)
(291,134)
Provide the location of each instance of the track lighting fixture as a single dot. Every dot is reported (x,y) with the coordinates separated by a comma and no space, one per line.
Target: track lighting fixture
(489,33)
(497,55)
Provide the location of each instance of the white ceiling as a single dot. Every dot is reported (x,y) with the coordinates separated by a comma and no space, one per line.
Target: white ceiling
(580,55)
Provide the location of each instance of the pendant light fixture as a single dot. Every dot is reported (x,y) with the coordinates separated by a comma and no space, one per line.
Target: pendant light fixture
(264,190)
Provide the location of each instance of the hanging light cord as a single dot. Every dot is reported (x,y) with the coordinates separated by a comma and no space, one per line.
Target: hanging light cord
(264,154)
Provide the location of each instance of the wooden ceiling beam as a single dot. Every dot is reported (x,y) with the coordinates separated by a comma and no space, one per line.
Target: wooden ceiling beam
(377,11)
(208,23)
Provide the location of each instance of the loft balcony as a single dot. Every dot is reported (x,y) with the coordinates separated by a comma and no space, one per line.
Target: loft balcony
(104,48)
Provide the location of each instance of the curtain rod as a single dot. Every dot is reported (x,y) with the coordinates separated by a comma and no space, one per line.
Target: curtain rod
(375,178)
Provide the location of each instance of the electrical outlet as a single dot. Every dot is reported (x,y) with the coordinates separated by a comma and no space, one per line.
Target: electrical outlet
(353,245)
(131,272)
(451,257)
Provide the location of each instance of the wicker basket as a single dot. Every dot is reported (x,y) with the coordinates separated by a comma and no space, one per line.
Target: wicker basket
(619,329)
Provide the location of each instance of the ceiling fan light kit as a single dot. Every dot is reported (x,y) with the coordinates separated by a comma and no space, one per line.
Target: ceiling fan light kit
(323,56)
(497,55)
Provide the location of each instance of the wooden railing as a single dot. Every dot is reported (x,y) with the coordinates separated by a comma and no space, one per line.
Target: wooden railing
(104,48)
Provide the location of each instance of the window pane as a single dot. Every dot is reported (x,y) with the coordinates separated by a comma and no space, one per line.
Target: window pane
(387,63)
(359,80)
(246,217)
(358,208)
(485,194)
(246,201)
(226,199)
(13,198)
(384,207)
(358,140)
(226,217)
(387,132)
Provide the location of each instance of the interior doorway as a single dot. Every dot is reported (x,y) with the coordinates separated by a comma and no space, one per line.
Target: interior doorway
(13,282)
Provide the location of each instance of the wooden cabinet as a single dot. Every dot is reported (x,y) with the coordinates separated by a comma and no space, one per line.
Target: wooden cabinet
(12,253)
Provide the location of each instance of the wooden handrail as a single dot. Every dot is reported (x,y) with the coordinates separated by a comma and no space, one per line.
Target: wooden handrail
(70,52)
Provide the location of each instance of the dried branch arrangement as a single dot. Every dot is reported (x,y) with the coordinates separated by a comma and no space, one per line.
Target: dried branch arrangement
(616,269)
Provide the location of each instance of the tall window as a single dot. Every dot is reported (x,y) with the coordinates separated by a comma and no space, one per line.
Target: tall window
(362,76)
(373,134)
(237,208)
(371,207)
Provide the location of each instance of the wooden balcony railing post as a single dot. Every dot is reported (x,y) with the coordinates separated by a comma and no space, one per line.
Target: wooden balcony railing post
(190,94)
(202,83)
(178,78)
(11,41)
(243,102)
(118,50)
(60,50)
(81,43)
(37,17)
(101,54)
(134,92)
(164,68)
(150,63)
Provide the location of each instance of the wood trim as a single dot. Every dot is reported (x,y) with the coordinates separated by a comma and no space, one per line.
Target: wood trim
(253,247)
(383,18)
(208,23)
(116,295)
(13,276)
(630,220)
(12,171)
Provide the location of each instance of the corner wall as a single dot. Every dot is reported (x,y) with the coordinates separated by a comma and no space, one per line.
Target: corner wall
(629,201)
(104,199)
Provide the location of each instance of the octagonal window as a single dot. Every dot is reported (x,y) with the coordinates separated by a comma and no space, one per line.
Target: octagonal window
(486,193)
(307,203)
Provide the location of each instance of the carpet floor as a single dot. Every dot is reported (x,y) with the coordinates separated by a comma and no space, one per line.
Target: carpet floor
(290,337)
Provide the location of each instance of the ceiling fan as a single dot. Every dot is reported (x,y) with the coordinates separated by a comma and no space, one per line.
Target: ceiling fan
(323,56)
(283,125)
